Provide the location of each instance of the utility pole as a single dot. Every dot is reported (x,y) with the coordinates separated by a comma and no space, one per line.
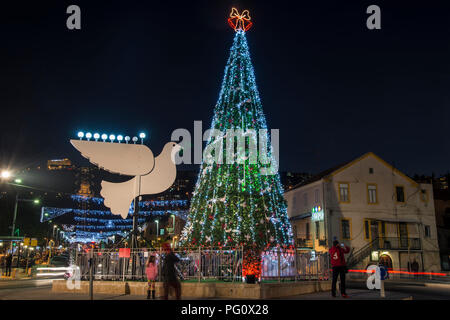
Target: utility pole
(91,274)
(15,215)
(134,234)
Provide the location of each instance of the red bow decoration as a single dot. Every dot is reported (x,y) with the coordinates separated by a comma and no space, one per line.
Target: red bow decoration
(240,21)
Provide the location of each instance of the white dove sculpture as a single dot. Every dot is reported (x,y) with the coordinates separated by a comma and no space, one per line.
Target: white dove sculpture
(151,175)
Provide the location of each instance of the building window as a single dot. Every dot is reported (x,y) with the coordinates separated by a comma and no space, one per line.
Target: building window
(366,229)
(370,170)
(317,230)
(427,231)
(423,195)
(372,193)
(346,229)
(400,193)
(316,195)
(383,228)
(344,192)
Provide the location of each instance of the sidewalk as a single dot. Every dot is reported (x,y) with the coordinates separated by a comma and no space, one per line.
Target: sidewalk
(411,282)
(354,294)
(47,294)
(16,274)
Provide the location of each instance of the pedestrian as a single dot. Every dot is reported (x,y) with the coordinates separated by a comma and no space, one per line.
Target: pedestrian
(3,263)
(339,266)
(169,272)
(152,271)
(8,263)
(415,268)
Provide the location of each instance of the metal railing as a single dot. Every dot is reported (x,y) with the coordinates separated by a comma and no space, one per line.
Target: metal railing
(394,243)
(221,264)
(291,264)
(224,264)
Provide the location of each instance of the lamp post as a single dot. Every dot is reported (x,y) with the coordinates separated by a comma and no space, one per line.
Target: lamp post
(35,201)
(173,223)
(6,175)
(157,227)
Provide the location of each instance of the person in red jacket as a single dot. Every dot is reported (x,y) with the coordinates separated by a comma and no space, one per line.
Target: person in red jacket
(339,266)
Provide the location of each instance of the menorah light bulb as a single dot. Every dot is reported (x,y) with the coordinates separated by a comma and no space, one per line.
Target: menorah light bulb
(88,136)
(127,138)
(104,137)
(135,139)
(142,136)
(96,136)
(112,138)
(81,135)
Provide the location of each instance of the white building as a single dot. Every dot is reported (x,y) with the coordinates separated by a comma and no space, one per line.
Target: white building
(379,212)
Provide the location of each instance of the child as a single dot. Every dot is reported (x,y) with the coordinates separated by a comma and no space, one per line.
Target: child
(151,270)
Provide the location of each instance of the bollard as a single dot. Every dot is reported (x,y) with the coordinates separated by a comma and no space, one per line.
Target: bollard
(382,293)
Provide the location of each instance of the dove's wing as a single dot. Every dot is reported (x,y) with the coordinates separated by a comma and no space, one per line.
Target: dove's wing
(122,158)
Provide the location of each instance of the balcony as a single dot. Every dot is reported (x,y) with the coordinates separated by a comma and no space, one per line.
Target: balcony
(398,244)
(303,243)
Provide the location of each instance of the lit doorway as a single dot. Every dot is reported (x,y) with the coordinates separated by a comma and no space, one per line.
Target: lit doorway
(386,261)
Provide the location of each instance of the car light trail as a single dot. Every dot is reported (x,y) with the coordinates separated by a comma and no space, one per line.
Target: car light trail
(403,272)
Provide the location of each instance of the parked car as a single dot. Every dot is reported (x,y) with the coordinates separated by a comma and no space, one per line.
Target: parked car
(60,261)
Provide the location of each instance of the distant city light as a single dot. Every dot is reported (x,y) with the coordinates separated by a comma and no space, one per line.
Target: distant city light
(18,181)
(5,174)
(36,201)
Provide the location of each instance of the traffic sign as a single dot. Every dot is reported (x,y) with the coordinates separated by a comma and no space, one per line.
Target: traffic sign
(124,253)
(34,242)
(26,241)
(384,274)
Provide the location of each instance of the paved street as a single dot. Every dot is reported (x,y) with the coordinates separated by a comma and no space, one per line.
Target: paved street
(41,290)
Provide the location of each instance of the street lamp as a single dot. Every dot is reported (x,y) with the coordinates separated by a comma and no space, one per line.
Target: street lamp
(157,227)
(5,174)
(35,201)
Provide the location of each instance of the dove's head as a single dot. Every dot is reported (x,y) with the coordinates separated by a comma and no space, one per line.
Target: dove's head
(172,148)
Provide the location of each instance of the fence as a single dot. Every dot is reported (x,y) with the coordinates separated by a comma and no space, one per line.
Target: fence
(294,265)
(202,264)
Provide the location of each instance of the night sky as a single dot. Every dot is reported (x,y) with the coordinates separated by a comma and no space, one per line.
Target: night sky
(334,88)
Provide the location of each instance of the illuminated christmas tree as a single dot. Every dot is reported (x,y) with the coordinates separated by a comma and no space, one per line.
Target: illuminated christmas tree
(235,204)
